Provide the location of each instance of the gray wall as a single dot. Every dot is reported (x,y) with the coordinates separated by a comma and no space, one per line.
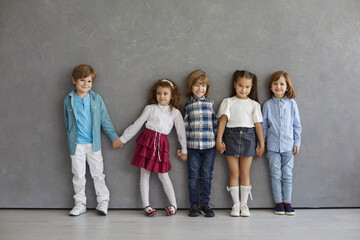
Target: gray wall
(132,43)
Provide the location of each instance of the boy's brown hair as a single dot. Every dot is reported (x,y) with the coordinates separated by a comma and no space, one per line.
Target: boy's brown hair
(83,71)
(198,77)
(290,92)
(176,99)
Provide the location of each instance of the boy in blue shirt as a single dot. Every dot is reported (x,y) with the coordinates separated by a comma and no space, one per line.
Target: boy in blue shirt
(85,113)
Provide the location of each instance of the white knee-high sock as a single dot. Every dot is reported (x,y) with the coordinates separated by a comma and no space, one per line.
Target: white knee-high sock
(168,188)
(245,192)
(144,186)
(234,192)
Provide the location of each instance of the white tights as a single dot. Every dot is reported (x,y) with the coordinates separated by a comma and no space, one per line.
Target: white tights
(166,182)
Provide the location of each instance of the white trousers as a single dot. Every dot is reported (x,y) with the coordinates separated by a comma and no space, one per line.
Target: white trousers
(84,153)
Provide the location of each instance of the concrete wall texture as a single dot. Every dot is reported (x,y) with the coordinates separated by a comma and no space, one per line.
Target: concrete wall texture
(133,43)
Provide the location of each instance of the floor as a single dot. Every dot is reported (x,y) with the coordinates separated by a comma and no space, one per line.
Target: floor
(343,224)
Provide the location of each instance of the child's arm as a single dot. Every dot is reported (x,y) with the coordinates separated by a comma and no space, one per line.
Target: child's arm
(66,120)
(106,123)
(220,145)
(297,129)
(133,129)
(180,130)
(265,123)
(214,120)
(260,134)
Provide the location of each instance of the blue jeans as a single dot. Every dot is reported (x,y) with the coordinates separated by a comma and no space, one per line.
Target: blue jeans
(200,166)
(281,166)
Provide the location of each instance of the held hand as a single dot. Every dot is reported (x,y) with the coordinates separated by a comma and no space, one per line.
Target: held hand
(221,147)
(260,151)
(116,143)
(296,150)
(182,156)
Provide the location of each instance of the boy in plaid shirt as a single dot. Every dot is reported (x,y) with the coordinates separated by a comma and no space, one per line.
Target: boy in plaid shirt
(201,125)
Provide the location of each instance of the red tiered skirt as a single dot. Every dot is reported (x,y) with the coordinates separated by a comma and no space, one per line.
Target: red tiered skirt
(152,152)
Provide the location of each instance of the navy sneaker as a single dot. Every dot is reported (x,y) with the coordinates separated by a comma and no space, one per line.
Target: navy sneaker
(279,209)
(194,210)
(288,209)
(206,210)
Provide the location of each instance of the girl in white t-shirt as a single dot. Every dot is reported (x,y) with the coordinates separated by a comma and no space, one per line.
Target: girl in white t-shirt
(240,117)
(152,151)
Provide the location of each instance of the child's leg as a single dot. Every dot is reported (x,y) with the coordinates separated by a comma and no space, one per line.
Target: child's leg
(245,165)
(287,165)
(168,188)
(144,186)
(193,164)
(276,175)
(78,167)
(96,166)
(207,167)
(234,173)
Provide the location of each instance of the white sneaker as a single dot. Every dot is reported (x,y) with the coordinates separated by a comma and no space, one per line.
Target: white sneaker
(244,209)
(78,209)
(102,207)
(235,211)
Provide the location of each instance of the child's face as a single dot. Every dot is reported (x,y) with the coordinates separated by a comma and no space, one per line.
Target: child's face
(243,87)
(83,85)
(279,87)
(198,90)
(163,95)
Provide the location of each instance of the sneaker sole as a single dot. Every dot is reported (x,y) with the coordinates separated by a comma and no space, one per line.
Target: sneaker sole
(74,215)
(290,213)
(203,213)
(244,215)
(101,213)
(194,215)
(279,213)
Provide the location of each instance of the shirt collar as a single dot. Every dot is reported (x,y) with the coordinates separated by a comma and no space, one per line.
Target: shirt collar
(276,100)
(197,99)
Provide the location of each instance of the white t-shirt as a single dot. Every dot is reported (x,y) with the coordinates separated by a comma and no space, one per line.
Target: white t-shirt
(159,119)
(240,112)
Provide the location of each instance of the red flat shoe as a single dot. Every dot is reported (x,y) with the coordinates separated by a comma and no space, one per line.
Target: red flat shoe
(171,210)
(149,211)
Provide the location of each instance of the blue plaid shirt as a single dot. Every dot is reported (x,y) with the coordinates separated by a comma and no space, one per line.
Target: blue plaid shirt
(200,123)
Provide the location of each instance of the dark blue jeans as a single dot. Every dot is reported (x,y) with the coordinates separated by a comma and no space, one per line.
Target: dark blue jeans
(200,167)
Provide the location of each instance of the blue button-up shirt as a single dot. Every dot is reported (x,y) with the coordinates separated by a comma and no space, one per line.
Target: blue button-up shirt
(100,119)
(200,123)
(281,124)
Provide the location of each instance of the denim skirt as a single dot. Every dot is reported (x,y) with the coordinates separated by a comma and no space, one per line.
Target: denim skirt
(240,142)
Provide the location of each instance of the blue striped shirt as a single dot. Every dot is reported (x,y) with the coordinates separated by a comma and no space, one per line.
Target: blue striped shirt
(200,123)
(281,124)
